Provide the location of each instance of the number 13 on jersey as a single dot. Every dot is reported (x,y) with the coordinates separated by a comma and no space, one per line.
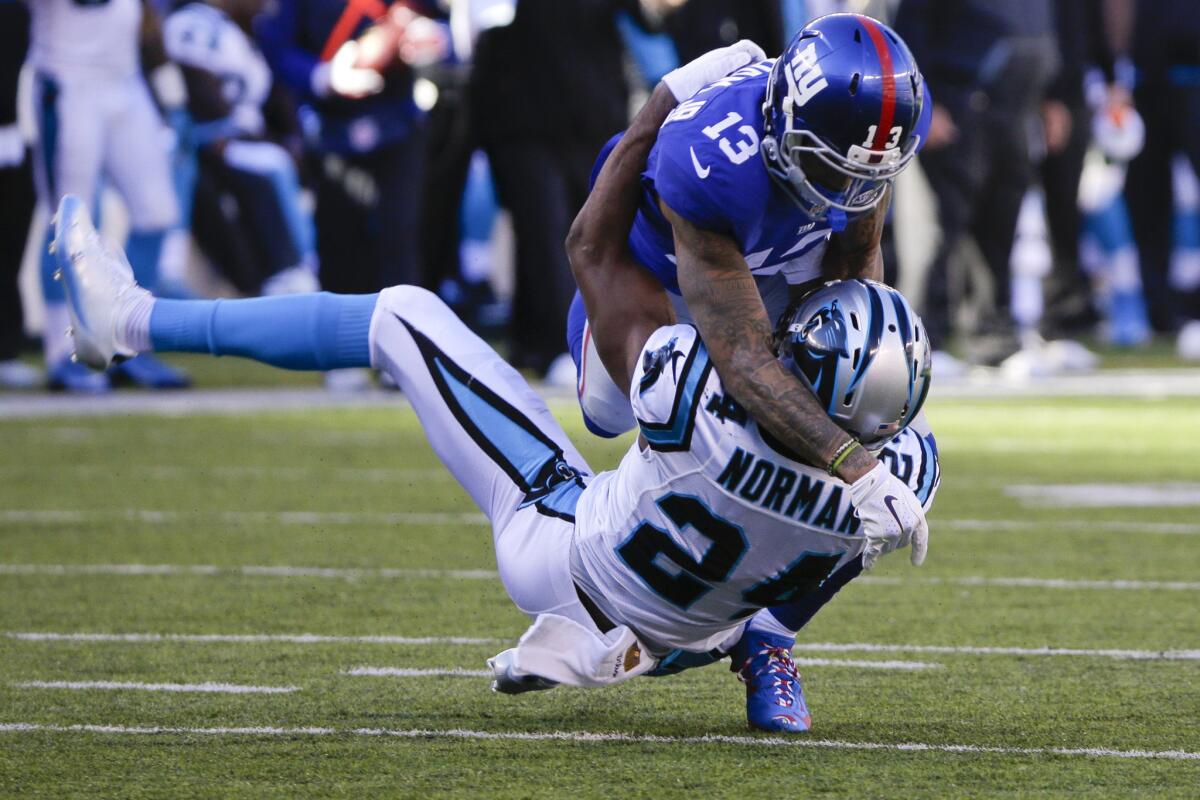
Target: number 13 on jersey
(746,148)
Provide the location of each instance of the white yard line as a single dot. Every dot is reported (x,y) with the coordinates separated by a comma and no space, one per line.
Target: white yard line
(196,401)
(1067,652)
(357,573)
(1064,526)
(815,647)
(161,517)
(266,570)
(174,472)
(911,666)
(1106,495)
(1034,583)
(246,638)
(619,738)
(205,688)
(405,672)
(52,516)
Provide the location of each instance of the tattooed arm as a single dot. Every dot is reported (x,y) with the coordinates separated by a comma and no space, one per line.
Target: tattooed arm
(729,312)
(855,252)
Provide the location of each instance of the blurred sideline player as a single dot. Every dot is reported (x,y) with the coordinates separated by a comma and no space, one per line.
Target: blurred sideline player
(351,67)
(759,186)
(708,520)
(97,124)
(228,87)
(16,198)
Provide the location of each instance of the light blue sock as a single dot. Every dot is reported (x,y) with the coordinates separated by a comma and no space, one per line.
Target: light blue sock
(144,249)
(301,331)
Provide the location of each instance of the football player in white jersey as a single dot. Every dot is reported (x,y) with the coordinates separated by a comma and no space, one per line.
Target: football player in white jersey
(97,125)
(705,525)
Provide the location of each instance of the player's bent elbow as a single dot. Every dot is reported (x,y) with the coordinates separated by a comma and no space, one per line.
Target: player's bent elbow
(589,247)
(581,249)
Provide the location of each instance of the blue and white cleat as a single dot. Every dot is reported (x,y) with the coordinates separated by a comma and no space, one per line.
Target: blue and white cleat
(99,284)
(148,372)
(774,694)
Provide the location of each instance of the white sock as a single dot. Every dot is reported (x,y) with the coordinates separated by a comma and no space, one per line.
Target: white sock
(56,344)
(134,324)
(765,621)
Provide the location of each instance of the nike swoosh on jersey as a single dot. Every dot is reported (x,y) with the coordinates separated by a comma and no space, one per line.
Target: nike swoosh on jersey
(701,171)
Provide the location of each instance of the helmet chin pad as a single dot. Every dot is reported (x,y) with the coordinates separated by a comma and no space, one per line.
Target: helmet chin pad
(837,220)
(836,208)
(824,204)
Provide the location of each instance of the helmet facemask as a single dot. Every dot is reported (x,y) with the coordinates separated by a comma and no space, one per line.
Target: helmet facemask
(869,172)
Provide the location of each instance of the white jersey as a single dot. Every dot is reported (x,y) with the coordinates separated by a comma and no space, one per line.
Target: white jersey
(96,37)
(205,38)
(687,539)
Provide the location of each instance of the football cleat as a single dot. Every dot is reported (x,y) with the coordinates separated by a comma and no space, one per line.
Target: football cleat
(68,375)
(510,680)
(98,282)
(148,372)
(774,694)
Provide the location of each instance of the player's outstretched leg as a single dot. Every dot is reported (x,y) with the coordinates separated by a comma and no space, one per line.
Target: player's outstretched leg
(487,425)
(114,319)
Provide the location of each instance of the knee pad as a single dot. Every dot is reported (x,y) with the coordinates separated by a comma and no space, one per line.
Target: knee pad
(405,298)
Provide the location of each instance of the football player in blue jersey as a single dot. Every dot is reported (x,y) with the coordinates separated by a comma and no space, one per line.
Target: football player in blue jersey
(760,184)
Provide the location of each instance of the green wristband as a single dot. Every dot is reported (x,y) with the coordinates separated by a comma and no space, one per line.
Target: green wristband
(842,454)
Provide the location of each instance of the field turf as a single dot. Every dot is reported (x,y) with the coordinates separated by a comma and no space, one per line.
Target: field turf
(180,517)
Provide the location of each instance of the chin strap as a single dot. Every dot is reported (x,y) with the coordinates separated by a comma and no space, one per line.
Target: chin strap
(837,219)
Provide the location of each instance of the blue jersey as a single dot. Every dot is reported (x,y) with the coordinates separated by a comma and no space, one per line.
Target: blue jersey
(707,167)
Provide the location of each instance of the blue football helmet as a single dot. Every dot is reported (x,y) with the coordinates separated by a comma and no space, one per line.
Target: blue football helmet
(845,100)
(862,350)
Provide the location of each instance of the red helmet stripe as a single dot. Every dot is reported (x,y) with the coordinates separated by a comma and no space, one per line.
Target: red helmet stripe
(887,114)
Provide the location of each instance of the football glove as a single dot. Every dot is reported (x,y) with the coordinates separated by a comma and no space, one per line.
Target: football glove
(711,67)
(348,79)
(892,517)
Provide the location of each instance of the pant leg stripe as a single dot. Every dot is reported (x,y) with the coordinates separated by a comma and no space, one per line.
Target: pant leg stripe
(530,458)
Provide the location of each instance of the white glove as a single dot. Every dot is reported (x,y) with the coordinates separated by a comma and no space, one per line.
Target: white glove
(348,80)
(711,67)
(892,517)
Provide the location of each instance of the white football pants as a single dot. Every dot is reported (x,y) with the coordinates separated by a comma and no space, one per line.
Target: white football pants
(498,439)
(92,127)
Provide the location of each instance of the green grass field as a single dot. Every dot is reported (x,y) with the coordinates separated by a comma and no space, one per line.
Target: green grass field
(207,497)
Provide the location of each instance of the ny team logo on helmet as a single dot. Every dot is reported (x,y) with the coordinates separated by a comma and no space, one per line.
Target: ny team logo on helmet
(846,91)
(863,351)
